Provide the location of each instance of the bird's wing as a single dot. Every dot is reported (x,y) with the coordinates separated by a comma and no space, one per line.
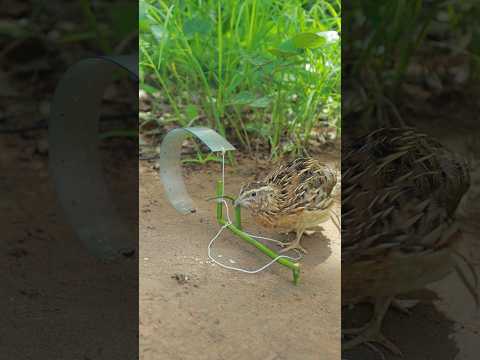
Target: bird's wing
(304,184)
(400,190)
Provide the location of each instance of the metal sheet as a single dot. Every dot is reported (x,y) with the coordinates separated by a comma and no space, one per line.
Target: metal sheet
(170,163)
(75,159)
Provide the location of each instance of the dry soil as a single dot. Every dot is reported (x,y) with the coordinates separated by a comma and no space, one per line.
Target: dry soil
(191,308)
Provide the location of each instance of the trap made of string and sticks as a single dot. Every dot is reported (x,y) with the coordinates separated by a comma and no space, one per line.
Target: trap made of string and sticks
(177,194)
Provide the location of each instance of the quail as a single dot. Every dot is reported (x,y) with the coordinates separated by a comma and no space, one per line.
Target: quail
(400,192)
(298,196)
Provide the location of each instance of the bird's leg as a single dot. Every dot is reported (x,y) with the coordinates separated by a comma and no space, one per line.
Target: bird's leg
(295,244)
(371,333)
(355,331)
(277,242)
(336,220)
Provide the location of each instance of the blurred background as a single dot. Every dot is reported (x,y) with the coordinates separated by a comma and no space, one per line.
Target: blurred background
(403,60)
(416,63)
(59,301)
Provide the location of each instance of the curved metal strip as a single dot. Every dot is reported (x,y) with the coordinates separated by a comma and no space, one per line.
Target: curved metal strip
(75,159)
(170,163)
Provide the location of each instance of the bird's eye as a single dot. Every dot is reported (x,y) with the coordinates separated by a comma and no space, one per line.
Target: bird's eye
(254,194)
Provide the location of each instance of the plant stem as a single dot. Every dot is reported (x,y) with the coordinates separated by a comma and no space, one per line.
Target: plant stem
(92,21)
(295,267)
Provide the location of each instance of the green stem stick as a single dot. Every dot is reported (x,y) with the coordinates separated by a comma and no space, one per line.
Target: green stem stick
(238,217)
(236,229)
(219,202)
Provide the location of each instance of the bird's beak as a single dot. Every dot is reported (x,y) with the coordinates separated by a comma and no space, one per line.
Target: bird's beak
(237,202)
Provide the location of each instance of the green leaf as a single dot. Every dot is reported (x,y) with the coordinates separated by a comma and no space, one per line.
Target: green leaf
(122,21)
(119,133)
(191,111)
(262,102)
(143,21)
(308,40)
(150,89)
(243,98)
(12,29)
(142,10)
(258,60)
(258,128)
(144,25)
(158,32)
(197,25)
(250,99)
(287,48)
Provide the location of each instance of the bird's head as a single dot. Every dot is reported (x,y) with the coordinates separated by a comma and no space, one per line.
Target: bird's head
(255,196)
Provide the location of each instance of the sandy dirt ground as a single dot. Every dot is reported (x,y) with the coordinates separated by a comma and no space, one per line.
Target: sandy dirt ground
(48,279)
(220,314)
(215,313)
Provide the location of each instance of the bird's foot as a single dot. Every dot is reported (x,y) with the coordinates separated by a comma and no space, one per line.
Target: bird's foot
(294,245)
(368,336)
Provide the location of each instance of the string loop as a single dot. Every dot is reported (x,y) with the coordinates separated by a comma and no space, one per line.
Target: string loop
(229,222)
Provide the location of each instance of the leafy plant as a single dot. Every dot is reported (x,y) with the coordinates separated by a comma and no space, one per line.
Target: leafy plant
(255,70)
(382,39)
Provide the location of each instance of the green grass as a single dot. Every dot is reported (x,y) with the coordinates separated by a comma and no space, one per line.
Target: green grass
(381,40)
(254,70)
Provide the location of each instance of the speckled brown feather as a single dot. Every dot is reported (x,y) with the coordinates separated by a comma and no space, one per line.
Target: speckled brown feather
(305,184)
(400,191)
(302,189)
